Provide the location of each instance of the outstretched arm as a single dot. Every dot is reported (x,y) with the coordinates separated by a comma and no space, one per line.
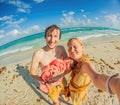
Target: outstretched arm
(115,85)
(100,80)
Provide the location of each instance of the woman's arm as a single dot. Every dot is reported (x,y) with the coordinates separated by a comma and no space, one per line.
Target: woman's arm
(114,85)
(100,80)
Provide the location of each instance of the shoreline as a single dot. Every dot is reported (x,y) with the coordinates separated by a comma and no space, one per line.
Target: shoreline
(27,55)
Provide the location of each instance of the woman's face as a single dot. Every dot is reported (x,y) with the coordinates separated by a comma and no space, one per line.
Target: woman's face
(75,49)
(53,38)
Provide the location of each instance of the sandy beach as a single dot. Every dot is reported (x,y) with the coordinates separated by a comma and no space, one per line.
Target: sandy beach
(17,87)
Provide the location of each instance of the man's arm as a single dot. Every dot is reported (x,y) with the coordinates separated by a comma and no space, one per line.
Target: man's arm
(34,67)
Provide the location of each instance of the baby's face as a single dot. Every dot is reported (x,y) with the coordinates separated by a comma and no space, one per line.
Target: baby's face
(73,63)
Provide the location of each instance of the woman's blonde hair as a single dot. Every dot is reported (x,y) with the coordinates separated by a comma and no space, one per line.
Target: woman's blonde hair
(84,57)
(78,40)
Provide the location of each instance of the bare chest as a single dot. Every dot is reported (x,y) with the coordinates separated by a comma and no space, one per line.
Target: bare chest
(47,58)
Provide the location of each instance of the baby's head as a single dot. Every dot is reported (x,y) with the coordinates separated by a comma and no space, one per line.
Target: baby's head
(71,61)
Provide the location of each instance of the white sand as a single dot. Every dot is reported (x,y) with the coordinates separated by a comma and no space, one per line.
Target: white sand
(17,87)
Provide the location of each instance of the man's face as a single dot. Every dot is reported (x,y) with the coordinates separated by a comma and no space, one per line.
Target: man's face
(53,38)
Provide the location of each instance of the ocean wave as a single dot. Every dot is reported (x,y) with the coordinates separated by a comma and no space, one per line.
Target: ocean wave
(16,50)
(97,35)
(38,39)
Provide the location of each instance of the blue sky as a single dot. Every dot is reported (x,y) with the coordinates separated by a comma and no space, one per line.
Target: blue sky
(20,18)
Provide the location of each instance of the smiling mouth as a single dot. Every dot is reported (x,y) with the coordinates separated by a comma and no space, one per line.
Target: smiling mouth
(51,44)
(73,54)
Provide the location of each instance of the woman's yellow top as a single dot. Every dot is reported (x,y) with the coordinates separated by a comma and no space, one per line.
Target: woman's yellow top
(79,80)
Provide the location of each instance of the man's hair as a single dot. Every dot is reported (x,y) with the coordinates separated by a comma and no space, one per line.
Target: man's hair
(51,28)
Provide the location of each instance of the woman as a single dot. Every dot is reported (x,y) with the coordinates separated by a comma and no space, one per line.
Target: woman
(85,72)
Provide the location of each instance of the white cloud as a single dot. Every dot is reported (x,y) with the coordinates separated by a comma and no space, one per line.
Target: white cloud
(65,15)
(22,33)
(13,33)
(96,18)
(82,10)
(113,20)
(69,20)
(21,6)
(4,18)
(32,30)
(1,36)
(2,31)
(71,13)
(38,1)
(23,10)
(84,16)
(12,23)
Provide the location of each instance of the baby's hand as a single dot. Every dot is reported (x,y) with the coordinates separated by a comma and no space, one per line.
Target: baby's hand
(40,79)
(52,79)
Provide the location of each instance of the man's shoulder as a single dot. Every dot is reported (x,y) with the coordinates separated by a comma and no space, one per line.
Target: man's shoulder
(38,52)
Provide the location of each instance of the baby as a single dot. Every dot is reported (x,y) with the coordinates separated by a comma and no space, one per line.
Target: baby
(53,73)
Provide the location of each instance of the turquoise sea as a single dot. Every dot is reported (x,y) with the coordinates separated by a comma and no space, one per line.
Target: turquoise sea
(37,40)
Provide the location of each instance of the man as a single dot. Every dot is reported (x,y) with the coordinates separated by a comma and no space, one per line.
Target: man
(45,55)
